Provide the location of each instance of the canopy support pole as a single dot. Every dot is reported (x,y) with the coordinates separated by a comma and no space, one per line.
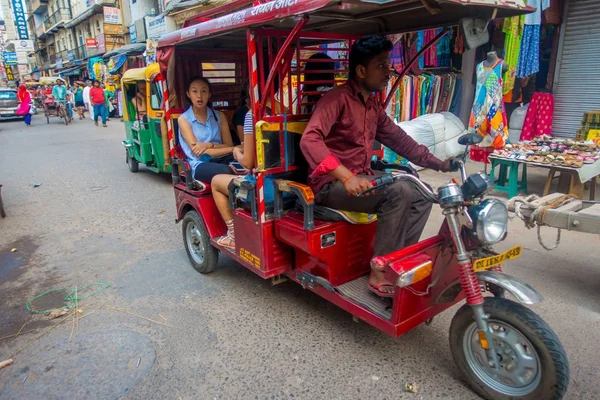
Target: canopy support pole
(276,64)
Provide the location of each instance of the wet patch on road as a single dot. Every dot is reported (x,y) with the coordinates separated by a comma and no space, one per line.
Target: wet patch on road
(15,289)
(100,365)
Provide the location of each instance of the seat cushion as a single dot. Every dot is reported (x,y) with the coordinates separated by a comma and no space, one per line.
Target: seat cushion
(332,215)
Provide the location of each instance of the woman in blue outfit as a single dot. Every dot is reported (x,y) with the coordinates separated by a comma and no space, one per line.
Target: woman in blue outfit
(204,134)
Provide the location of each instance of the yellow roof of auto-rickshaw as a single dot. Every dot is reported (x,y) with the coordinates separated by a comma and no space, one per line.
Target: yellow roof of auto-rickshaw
(50,80)
(134,75)
(140,74)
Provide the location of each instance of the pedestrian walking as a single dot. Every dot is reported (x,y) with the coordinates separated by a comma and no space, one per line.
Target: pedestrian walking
(24,98)
(79,103)
(97,99)
(108,97)
(86,98)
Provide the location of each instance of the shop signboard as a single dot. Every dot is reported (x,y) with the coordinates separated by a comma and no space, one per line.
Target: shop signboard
(150,52)
(159,26)
(10,58)
(113,30)
(59,63)
(70,55)
(20,20)
(112,15)
(9,72)
(90,43)
(101,42)
(23,48)
(132,34)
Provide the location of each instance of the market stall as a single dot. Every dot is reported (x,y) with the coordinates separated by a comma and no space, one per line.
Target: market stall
(575,163)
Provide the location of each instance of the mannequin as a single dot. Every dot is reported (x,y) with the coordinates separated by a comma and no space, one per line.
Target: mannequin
(488,117)
(492,58)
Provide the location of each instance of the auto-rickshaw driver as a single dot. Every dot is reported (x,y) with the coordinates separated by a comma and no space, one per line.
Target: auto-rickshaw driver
(338,143)
(139,101)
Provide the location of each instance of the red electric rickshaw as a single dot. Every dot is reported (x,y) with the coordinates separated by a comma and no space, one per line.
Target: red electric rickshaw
(503,349)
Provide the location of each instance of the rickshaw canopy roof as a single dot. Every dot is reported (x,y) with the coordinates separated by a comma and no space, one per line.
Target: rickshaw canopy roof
(50,80)
(356,17)
(134,75)
(140,74)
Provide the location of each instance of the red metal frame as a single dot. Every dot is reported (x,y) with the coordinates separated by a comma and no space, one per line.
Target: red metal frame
(283,51)
(282,246)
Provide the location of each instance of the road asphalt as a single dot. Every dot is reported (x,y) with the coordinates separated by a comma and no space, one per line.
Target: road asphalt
(163,331)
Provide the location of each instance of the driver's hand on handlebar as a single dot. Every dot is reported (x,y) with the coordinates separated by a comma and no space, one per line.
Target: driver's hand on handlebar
(357,185)
(449,165)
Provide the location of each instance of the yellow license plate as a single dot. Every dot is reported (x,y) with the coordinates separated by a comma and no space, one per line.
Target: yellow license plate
(486,263)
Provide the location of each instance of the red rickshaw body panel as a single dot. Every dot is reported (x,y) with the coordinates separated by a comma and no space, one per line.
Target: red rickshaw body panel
(409,309)
(258,248)
(336,251)
(204,205)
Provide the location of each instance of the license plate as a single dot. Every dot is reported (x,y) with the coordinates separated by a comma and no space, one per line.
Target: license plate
(486,263)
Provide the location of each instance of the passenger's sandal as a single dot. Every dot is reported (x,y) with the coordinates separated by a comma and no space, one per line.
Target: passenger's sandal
(226,241)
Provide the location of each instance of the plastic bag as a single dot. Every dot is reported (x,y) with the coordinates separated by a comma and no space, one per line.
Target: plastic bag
(517,118)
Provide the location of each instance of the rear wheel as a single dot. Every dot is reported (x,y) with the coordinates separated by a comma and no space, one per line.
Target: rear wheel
(200,251)
(134,165)
(533,363)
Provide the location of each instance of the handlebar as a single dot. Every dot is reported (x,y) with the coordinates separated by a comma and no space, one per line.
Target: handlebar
(386,179)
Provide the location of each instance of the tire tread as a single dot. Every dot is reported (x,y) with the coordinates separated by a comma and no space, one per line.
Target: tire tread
(537,326)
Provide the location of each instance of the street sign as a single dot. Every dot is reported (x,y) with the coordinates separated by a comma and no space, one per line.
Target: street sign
(90,43)
(10,58)
(20,20)
(112,15)
(9,72)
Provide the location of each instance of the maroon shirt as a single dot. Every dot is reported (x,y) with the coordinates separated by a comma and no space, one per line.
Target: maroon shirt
(342,130)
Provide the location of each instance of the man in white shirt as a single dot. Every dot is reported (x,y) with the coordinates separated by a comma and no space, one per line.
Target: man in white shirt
(86,98)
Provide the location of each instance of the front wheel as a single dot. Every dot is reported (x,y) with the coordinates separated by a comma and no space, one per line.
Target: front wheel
(533,363)
(202,254)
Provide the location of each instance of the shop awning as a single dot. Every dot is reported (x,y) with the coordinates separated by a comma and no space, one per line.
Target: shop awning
(129,49)
(118,63)
(73,71)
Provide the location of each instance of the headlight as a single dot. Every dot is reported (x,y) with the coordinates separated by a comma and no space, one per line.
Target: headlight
(491,221)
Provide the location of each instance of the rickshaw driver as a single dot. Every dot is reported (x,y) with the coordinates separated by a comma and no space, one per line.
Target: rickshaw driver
(338,143)
(59,92)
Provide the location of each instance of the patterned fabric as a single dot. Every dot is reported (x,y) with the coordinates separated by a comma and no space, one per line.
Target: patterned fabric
(529,57)
(513,27)
(540,113)
(488,117)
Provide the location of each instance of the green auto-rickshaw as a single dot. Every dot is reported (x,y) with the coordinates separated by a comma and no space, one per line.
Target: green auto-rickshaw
(144,119)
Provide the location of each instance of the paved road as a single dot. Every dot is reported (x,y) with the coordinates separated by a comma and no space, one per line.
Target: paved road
(230,334)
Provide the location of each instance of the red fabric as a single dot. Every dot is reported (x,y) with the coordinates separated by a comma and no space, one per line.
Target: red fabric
(540,114)
(24,99)
(97,95)
(330,163)
(345,126)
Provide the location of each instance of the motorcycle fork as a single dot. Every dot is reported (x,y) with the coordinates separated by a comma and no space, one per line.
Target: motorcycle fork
(470,286)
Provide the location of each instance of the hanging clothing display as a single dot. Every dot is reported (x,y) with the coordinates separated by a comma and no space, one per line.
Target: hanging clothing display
(425,94)
(529,54)
(513,28)
(488,117)
(540,114)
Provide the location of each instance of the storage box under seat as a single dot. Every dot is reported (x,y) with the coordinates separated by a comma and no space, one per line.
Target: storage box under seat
(336,251)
